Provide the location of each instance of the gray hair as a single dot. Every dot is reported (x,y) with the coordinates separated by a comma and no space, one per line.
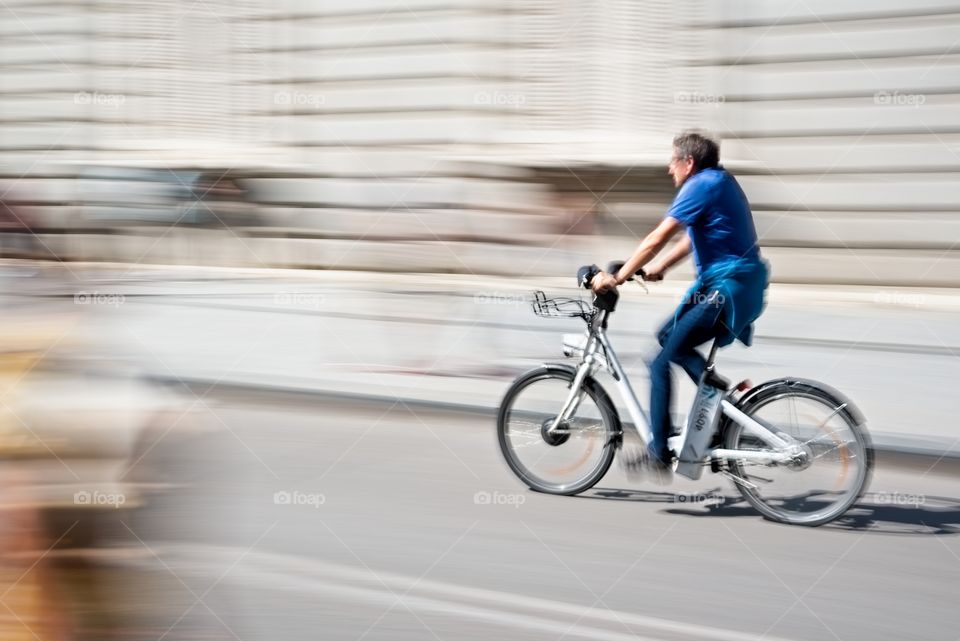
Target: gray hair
(704,151)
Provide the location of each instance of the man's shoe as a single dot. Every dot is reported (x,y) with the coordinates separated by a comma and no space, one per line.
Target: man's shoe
(640,465)
(660,471)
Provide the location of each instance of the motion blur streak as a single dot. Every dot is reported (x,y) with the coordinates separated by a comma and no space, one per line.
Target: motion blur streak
(266,271)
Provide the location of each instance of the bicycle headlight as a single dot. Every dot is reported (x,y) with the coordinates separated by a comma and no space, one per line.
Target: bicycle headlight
(574,344)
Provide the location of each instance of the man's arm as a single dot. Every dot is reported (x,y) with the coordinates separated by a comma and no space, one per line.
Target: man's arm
(648,248)
(680,251)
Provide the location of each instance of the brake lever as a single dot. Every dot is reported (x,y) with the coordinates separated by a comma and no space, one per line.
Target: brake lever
(641,278)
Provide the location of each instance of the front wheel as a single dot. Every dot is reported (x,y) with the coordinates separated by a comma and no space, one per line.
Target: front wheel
(834,460)
(570,458)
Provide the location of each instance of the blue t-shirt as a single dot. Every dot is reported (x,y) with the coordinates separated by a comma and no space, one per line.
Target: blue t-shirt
(715,211)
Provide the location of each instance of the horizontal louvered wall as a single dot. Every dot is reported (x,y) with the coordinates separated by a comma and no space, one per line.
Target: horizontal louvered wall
(842,119)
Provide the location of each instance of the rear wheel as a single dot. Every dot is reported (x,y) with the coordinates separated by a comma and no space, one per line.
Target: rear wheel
(566,460)
(834,460)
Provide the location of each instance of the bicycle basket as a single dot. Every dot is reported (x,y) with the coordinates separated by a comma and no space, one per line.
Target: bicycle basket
(561,307)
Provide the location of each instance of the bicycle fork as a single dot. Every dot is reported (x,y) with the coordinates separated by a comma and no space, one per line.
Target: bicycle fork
(574,397)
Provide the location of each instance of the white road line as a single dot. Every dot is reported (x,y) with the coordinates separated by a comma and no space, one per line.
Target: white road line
(339,592)
(288,572)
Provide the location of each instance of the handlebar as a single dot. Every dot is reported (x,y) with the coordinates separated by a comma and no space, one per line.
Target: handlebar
(615,266)
(607,300)
(586,273)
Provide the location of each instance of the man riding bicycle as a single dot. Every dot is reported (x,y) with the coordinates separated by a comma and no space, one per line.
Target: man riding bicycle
(728,295)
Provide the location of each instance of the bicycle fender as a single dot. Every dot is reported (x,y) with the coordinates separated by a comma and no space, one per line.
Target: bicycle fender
(850,408)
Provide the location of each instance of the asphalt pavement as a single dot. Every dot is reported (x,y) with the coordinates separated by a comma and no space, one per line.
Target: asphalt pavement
(292,519)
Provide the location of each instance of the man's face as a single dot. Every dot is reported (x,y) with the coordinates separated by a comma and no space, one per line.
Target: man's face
(680,168)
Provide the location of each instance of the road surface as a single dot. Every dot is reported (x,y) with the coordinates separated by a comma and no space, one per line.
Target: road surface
(397,524)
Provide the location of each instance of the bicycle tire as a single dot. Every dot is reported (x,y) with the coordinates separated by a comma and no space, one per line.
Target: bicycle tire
(608,414)
(765,394)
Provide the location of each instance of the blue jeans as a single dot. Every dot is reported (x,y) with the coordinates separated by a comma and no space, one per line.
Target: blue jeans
(694,324)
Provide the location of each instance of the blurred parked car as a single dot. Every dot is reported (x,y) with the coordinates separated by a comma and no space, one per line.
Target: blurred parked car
(128,196)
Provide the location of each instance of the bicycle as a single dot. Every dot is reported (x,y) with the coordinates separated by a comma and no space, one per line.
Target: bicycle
(797,450)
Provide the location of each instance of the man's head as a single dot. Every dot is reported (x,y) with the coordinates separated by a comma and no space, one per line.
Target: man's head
(691,153)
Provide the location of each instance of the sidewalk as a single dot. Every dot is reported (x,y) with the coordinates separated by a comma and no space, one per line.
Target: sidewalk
(456,341)
(893,351)
(878,296)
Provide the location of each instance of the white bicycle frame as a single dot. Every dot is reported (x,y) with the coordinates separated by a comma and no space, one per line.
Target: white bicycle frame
(598,353)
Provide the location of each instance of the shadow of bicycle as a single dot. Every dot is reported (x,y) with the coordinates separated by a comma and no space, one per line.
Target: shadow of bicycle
(874,513)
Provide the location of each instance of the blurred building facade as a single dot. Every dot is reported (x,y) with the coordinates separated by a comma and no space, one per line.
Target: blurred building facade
(347,117)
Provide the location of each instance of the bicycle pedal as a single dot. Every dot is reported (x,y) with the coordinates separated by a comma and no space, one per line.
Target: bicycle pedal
(638,466)
(632,459)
